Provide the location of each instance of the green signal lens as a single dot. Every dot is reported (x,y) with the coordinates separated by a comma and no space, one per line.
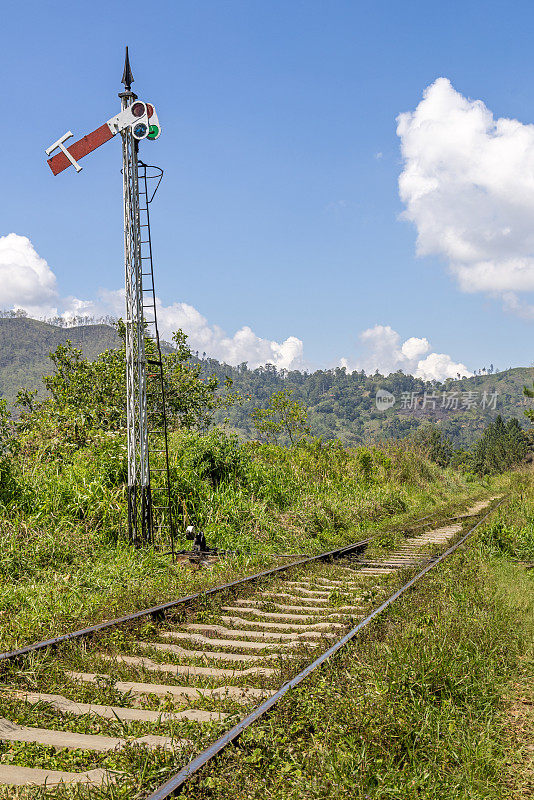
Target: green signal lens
(153,131)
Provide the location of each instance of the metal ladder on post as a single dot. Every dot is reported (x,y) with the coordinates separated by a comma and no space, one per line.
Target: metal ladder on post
(163,529)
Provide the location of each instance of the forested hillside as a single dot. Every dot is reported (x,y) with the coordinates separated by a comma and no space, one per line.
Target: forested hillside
(25,345)
(341,405)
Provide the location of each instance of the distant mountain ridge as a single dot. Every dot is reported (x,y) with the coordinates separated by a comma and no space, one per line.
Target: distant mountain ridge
(25,345)
(341,405)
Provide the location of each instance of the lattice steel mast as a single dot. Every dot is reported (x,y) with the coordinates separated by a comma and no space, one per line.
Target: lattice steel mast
(136,121)
(139,497)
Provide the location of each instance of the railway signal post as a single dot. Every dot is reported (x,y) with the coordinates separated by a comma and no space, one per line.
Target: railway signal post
(139,495)
(136,121)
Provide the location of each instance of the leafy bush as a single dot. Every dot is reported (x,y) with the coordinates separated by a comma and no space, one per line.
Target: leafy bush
(214,457)
(509,540)
(437,447)
(9,487)
(366,464)
(88,398)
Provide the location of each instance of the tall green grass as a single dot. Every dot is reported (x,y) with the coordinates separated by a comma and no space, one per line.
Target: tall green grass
(64,554)
(511,532)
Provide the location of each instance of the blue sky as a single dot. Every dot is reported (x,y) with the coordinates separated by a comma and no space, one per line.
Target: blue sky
(280,205)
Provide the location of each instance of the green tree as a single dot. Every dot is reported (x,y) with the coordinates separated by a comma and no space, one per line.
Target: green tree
(282,418)
(86,395)
(528,392)
(191,398)
(88,398)
(501,446)
(437,447)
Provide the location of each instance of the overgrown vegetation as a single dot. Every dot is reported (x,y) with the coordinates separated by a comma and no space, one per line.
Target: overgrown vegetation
(511,534)
(64,554)
(394,716)
(430,702)
(63,507)
(502,446)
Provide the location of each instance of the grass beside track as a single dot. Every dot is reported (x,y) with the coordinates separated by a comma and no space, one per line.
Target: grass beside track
(433,701)
(64,563)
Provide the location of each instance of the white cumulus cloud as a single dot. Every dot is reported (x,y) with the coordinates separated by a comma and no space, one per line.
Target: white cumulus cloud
(468,187)
(244,345)
(384,351)
(27,282)
(413,348)
(438,366)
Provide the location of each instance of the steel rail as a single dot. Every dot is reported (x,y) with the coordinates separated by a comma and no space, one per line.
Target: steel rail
(176,783)
(157,611)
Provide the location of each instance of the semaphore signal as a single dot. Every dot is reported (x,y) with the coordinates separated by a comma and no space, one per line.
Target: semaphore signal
(136,121)
(139,117)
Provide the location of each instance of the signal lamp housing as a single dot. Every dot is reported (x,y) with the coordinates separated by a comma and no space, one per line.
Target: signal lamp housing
(139,130)
(138,109)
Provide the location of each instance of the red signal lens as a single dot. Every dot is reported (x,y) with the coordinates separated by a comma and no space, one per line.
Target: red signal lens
(138,109)
(149,110)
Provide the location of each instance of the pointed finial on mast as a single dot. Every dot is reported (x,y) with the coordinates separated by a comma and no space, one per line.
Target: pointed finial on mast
(127,76)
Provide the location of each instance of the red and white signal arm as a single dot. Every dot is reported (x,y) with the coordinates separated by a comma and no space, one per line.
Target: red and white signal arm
(141,117)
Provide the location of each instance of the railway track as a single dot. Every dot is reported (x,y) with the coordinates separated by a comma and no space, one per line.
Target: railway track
(133,700)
